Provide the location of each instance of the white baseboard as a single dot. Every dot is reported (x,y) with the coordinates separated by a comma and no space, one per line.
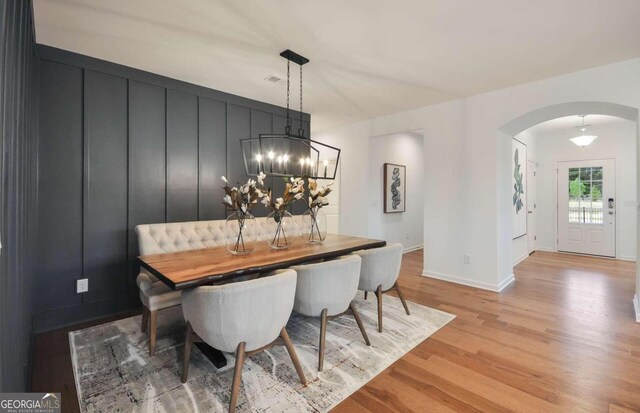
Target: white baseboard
(627,258)
(546,249)
(469,282)
(636,306)
(506,282)
(519,260)
(414,248)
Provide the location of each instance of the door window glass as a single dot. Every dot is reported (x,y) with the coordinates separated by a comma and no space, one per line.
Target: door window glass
(585,196)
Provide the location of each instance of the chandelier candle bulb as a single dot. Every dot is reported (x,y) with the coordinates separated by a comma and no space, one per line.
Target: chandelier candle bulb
(301,166)
(325,163)
(258,160)
(279,163)
(271,155)
(285,158)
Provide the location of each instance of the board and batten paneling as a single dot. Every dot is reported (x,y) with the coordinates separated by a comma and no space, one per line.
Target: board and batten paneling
(182,156)
(122,147)
(18,177)
(212,157)
(238,127)
(60,186)
(105,184)
(261,122)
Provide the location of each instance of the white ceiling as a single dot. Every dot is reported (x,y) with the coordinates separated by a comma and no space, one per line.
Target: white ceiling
(368,57)
(571,123)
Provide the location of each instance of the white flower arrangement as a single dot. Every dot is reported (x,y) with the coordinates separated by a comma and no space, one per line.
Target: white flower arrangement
(243,198)
(293,191)
(318,194)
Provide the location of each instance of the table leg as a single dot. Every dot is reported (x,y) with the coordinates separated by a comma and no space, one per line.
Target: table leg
(214,355)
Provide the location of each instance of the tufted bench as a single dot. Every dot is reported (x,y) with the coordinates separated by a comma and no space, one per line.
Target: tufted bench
(174,237)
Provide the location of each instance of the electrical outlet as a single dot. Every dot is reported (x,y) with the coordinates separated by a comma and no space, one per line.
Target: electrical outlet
(82,285)
(467,259)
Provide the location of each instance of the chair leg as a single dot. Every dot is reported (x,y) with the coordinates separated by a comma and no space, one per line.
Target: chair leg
(401,296)
(323,333)
(237,374)
(153,327)
(292,353)
(352,306)
(188,341)
(365,294)
(379,297)
(145,319)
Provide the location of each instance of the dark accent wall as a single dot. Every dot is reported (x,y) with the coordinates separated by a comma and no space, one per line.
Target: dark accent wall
(121,147)
(18,120)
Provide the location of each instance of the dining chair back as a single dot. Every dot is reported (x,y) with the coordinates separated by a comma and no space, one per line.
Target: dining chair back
(379,273)
(242,317)
(327,290)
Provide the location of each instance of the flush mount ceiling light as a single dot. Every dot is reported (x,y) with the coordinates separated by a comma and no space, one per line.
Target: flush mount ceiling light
(289,154)
(583,140)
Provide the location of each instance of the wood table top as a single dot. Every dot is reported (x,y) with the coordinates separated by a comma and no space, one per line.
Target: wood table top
(186,269)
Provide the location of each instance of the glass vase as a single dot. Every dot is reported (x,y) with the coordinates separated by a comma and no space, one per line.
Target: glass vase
(280,224)
(240,233)
(314,223)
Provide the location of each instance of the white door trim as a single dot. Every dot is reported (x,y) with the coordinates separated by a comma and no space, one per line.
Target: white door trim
(531,207)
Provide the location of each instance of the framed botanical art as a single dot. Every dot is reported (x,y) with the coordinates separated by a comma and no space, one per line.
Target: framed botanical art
(518,188)
(395,187)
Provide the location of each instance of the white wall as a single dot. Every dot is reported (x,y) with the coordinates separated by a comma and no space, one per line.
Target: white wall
(616,140)
(520,246)
(407,227)
(332,211)
(467,150)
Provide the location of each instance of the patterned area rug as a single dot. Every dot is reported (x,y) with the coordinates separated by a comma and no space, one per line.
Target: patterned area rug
(114,373)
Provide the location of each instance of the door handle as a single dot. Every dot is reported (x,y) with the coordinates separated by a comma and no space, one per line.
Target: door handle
(611,212)
(529,212)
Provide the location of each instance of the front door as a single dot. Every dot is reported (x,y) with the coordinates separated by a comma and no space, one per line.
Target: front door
(586,207)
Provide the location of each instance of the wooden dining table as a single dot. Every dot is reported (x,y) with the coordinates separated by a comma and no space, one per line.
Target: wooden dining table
(188,269)
(191,268)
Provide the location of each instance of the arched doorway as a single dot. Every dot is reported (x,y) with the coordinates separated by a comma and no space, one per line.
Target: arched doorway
(510,129)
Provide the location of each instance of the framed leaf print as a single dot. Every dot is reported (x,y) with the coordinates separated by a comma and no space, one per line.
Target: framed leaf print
(518,188)
(395,187)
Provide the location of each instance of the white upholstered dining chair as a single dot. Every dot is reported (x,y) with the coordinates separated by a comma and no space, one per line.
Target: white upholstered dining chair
(246,317)
(327,290)
(379,273)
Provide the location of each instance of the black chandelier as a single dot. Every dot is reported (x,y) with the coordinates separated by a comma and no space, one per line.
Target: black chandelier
(290,154)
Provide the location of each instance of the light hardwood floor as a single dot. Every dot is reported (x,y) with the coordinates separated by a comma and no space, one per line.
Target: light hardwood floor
(562,338)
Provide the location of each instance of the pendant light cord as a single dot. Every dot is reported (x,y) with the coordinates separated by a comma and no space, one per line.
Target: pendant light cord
(287,128)
(300,129)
